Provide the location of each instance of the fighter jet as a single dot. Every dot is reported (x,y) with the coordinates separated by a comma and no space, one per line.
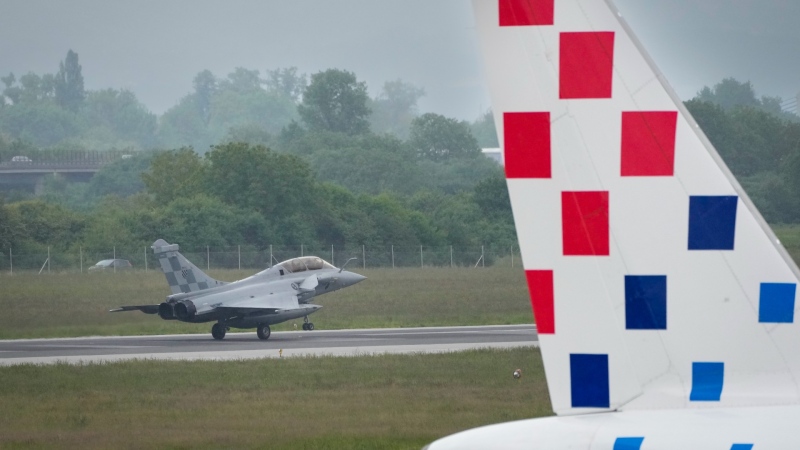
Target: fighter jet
(280,293)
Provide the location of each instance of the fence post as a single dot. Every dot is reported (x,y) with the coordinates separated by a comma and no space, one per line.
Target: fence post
(421,259)
(333,261)
(363,257)
(11,259)
(113,263)
(392,256)
(512,256)
(145,260)
(208,258)
(451,256)
(301,250)
(239,250)
(270,255)
(483,259)
(80,249)
(48,259)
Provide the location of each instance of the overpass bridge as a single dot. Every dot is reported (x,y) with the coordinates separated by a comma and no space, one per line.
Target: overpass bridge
(29,176)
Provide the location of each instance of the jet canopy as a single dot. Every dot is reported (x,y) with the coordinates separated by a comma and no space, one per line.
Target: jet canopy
(304,263)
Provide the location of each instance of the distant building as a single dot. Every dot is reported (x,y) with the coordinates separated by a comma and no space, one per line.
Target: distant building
(495,154)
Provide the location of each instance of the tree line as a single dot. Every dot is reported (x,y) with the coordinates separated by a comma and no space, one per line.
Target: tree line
(290,158)
(55,111)
(239,193)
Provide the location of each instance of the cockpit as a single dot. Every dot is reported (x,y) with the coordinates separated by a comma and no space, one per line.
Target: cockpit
(304,263)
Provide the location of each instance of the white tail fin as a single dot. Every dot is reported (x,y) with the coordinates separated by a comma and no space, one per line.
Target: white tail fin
(654,281)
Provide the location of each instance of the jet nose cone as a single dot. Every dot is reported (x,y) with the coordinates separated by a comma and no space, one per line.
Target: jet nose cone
(351,278)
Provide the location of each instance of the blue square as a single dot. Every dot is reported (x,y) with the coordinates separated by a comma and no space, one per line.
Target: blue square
(776,303)
(742,447)
(628,443)
(707,380)
(646,302)
(712,222)
(589,380)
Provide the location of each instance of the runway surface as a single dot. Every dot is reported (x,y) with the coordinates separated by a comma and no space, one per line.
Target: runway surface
(280,344)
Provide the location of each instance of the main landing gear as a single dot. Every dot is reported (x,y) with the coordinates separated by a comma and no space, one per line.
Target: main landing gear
(263,331)
(218,331)
(308,326)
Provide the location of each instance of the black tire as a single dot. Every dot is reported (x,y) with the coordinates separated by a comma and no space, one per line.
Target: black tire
(218,331)
(263,331)
(305,326)
(310,326)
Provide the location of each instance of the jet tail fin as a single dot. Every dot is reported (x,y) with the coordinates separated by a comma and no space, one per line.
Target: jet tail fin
(181,274)
(654,280)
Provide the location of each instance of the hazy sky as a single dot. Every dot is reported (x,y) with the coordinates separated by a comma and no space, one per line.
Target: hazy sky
(155,47)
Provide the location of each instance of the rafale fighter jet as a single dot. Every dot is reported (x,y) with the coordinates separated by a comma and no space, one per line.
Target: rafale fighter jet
(272,296)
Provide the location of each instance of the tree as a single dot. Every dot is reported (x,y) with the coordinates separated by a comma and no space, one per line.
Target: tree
(205,85)
(287,82)
(121,112)
(258,179)
(202,220)
(69,83)
(47,223)
(43,124)
(122,178)
(174,174)
(729,93)
(218,109)
(184,126)
(335,101)
(366,163)
(11,230)
(439,138)
(12,92)
(395,108)
(484,131)
(242,80)
(491,196)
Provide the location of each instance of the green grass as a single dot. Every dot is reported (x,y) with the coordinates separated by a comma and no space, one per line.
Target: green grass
(74,304)
(370,402)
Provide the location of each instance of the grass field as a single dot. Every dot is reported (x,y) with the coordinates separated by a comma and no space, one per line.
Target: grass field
(74,304)
(370,402)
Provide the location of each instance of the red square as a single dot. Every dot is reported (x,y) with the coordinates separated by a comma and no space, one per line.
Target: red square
(648,143)
(584,223)
(526,138)
(540,287)
(586,64)
(526,12)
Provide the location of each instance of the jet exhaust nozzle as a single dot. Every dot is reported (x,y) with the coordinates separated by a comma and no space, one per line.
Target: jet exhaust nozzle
(167,311)
(185,310)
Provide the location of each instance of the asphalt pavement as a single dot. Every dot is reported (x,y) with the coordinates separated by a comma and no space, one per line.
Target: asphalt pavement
(280,345)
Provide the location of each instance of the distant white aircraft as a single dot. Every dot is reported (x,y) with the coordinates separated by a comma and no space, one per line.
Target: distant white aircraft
(280,293)
(666,307)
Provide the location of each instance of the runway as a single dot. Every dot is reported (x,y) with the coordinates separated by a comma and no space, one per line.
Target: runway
(280,344)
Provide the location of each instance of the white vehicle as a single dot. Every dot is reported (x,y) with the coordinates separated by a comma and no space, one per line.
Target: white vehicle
(665,305)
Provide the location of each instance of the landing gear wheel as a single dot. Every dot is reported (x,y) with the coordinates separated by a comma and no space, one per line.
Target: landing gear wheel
(218,331)
(305,320)
(305,326)
(263,331)
(310,326)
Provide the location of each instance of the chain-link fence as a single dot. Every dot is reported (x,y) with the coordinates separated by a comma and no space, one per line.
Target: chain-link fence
(248,257)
